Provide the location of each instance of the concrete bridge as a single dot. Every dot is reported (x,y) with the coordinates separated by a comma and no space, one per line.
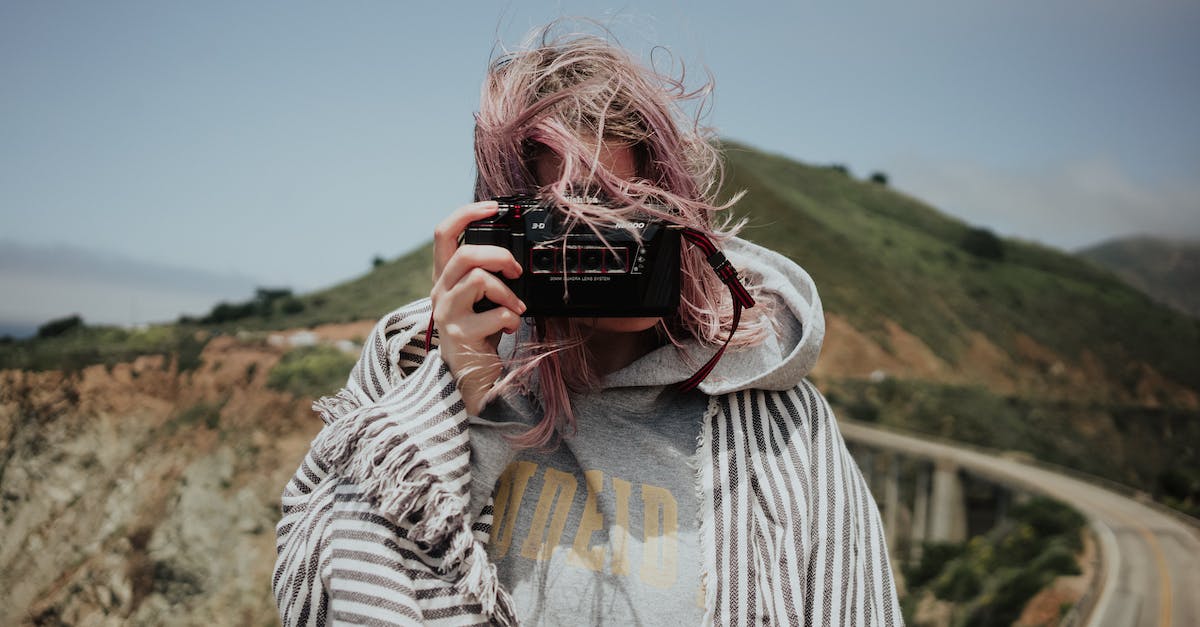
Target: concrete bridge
(946,492)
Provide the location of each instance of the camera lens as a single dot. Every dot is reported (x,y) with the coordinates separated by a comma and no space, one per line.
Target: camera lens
(592,259)
(571,261)
(542,259)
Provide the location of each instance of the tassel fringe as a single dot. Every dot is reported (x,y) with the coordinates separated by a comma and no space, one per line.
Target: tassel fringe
(370,449)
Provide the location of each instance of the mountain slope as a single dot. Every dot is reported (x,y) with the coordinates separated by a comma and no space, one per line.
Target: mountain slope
(1167,270)
(880,257)
(907,290)
(1038,320)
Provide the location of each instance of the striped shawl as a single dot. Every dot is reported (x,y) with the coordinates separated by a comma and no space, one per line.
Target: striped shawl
(375,528)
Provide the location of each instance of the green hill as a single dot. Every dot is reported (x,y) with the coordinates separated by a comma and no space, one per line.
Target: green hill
(878,255)
(1033,348)
(1167,270)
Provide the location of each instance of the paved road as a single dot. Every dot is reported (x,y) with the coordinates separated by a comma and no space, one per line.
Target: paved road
(1152,560)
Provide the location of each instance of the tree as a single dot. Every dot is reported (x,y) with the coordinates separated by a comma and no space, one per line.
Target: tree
(60,326)
(983,244)
(879,178)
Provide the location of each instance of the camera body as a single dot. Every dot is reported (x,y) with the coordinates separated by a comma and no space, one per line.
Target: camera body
(575,272)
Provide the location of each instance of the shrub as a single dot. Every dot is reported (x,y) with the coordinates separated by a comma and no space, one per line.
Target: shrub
(1057,559)
(879,178)
(311,371)
(960,580)
(292,306)
(272,294)
(1050,518)
(229,312)
(262,305)
(934,556)
(188,348)
(208,414)
(1010,591)
(60,326)
(983,244)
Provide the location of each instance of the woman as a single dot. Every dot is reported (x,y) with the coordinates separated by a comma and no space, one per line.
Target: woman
(553,470)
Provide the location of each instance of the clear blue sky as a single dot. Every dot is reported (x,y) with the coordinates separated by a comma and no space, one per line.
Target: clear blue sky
(288,143)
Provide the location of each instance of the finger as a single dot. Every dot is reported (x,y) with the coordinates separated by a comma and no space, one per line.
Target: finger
(475,286)
(499,319)
(445,235)
(474,328)
(470,256)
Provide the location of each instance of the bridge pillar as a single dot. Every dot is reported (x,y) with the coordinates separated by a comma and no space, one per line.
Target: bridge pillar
(891,499)
(948,517)
(866,465)
(920,524)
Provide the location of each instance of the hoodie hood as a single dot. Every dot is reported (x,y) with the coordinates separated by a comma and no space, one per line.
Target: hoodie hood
(779,362)
(785,356)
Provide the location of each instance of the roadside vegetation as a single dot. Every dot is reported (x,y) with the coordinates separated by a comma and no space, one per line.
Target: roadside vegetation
(991,577)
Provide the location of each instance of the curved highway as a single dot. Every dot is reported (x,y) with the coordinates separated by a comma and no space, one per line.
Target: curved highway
(1151,573)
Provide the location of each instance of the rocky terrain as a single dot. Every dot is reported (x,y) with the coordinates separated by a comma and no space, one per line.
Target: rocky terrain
(141,495)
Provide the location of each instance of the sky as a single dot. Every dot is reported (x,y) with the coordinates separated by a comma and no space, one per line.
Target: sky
(156,157)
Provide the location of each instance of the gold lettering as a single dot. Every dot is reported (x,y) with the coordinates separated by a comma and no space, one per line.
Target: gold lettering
(513,480)
(619,534)
(582,554)
(554,483)
(660,527)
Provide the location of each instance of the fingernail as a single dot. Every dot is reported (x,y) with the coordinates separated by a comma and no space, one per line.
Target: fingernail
(522,303)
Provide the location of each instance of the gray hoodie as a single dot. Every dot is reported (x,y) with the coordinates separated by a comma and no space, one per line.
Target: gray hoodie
(604,528)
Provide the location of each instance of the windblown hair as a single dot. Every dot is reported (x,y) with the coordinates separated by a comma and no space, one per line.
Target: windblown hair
(568,96)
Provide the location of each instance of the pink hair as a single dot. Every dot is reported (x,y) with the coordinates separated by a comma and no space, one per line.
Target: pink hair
(563,94)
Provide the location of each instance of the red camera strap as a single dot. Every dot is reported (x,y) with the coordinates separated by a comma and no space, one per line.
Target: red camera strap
(741,298)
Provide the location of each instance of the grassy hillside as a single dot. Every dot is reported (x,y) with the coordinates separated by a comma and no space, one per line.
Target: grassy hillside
(879,255)
(1049,339)
(385,288)
(879,258)
(1167,270)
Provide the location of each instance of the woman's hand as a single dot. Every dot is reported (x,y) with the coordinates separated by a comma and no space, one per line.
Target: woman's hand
(463,275)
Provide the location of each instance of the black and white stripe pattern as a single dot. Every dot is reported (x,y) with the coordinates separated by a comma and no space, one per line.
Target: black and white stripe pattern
(374,527)
(791,533)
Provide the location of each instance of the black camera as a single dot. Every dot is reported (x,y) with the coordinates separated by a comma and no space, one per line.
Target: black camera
(576,272)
